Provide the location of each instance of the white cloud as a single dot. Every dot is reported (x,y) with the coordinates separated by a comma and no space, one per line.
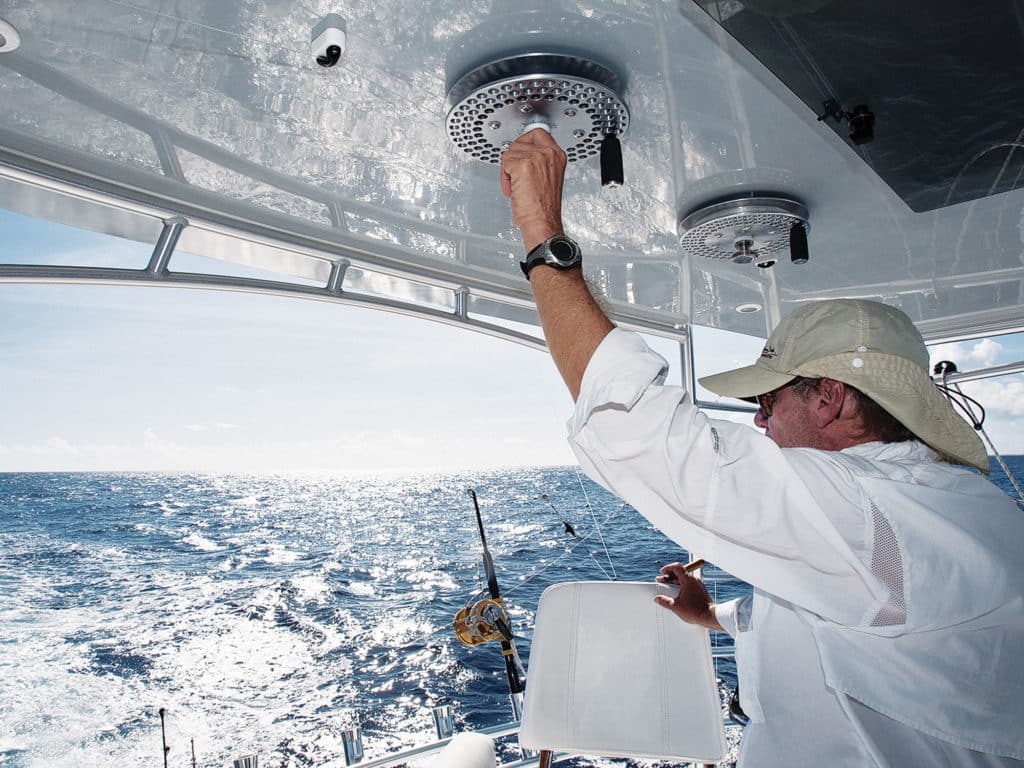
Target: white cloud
(53,447)
(1003,395)
(220,425)
(966,355)
(154,444)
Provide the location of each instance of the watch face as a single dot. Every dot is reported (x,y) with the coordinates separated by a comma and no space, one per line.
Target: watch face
(561,249)
(558,251)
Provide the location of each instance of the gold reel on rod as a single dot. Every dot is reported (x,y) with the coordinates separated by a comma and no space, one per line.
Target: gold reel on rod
(481,622)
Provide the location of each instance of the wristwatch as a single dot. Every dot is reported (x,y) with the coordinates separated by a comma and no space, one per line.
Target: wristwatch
(557,251)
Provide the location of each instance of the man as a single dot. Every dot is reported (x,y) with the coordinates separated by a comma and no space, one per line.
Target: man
(887,622)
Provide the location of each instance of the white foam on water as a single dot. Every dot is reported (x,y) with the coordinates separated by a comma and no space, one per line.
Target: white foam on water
(516,530)
(201,543)
(400,628)
(312,588)
(251,500)
(267,647)
(233,683)
(432,581)
(280,555)
(362,589)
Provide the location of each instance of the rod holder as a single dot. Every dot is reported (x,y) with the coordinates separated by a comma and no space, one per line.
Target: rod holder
(517,700)
(246,761)
(461,308)
(444,721)
(352,740)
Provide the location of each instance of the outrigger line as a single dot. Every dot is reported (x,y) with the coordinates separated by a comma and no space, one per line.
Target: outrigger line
(487,620)
(613,576)
(568,526)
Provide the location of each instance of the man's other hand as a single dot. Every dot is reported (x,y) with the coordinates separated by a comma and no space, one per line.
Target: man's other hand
(532,172)
(692,603)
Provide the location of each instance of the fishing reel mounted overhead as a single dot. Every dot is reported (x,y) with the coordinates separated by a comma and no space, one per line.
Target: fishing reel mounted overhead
(575,99)
(747,229)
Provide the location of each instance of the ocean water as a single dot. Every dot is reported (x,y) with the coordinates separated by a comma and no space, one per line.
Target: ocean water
(265,614)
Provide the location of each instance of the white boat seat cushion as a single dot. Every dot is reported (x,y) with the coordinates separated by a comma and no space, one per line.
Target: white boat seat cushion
(613,674)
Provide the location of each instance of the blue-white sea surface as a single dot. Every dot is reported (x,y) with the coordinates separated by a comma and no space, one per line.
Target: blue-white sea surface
(265,614)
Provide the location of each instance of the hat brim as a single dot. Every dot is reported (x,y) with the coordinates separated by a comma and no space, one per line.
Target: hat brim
(898,385)
(908,393)
(746,383)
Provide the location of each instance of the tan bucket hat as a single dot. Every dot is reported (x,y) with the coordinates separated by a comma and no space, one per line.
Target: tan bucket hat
(871,346)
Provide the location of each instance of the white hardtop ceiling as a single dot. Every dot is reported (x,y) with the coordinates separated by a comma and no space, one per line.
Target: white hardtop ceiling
(217,112)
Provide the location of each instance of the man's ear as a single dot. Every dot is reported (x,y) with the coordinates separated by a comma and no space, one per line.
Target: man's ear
(828,401)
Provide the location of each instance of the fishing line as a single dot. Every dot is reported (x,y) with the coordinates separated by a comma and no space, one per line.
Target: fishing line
(558,559)
(180,20)
(482,590)
(572,532)
(579,479)
(964,401)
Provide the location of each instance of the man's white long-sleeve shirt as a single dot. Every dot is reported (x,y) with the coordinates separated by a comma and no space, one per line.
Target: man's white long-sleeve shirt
(888,616)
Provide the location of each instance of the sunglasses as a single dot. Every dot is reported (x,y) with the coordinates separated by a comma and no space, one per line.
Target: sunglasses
(766,402)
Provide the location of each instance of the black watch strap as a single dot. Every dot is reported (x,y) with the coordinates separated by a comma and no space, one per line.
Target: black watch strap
(557,251)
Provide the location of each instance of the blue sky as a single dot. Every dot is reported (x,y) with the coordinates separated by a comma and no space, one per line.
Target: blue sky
(121,378)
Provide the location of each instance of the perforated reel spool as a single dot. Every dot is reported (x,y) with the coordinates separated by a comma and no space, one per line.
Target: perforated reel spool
(743,230)
(477,623)
(578,99)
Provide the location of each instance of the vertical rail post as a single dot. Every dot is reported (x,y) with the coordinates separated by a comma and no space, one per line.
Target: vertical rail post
(337,278)
(686,364)
(167,154)
(462,302)
(165,245)
(163,735)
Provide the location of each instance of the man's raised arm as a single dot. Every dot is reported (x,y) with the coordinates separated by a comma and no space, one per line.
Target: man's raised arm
(532,171)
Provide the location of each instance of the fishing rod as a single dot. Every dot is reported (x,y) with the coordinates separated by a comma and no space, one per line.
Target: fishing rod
(487,620)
